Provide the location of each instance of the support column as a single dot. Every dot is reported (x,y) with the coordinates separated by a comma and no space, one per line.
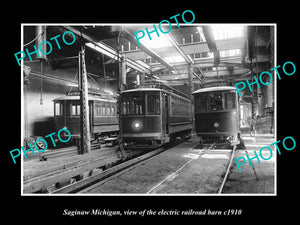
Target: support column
(190,79)
(191,87)
(41,32)
(122,78)
(85,136)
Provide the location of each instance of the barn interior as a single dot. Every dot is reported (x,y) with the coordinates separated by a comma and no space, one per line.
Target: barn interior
(188,58)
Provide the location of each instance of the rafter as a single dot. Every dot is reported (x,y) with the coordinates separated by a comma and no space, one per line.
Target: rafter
(107,50)
(129,36)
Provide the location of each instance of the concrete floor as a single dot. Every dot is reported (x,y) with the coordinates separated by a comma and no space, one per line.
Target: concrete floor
(258,179)
(181,170)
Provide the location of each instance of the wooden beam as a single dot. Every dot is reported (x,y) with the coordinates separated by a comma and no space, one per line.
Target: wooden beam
(44,181)
(209,37)
(191,48)
(129,36)
(189,60)
(107,50)
(85,135)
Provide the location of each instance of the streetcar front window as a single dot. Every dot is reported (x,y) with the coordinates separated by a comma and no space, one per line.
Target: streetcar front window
(201,102)
(75,109)
(229,100)
(215,101)
(133,103)
(153,105)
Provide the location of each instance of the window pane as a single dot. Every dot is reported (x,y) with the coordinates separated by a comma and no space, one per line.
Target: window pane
(103,110)
(229,100)
(57,109)
(201,102)
(107,110)
(215,101)
(124,108)
(132,103)
(136,105)
(78,109)
(153,105)
(73,109)
(112,110)
(96,109)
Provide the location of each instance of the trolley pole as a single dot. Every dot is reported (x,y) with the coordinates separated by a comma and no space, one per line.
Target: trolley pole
(85,136)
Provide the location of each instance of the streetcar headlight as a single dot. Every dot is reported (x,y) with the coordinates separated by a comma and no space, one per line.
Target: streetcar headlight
(136,125)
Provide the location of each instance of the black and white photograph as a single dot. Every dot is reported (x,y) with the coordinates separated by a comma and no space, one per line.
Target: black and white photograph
(145,109)
(117,114)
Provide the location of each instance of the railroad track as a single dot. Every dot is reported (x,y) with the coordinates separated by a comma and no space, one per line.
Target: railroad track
(227,170)
(202,152)
(88,183)
(58,171)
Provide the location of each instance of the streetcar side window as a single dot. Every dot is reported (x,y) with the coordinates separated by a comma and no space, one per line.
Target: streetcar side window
(172,105)
(97,109)
(103,110)
(113,111)
(153,105)
(107,110)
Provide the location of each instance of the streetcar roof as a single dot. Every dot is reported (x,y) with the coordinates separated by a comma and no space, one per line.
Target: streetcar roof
(154,89)
(221,88)
(141,89)
(76,97)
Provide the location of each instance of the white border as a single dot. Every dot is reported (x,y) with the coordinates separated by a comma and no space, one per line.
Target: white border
(150,24)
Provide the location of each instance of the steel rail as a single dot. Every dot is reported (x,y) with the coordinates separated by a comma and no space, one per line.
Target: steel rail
(111,172)
(227,171)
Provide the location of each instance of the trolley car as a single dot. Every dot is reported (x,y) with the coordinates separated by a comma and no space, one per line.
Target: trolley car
(102,116)
(217,114)
(152,115)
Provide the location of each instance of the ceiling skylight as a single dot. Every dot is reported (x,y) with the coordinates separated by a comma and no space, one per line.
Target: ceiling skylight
(226,31)
(155,42)
(174,59)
